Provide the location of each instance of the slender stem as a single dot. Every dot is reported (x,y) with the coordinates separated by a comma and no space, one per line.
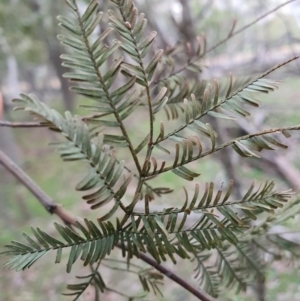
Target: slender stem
(201,295)
(120,269)
(151,115)
(94,271)
(144,74)
(122,262)
(38,124)
(227,98)
(105,89)
(230,36)
(221,146)
(22,124)
(45,200)
(109,289)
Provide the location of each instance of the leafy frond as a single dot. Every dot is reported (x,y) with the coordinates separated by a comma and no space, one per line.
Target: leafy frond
(206,273)
(88,59)
(209,102)
(105,172)
(245,146)
(145,234)
(229,266)
(148,277)
(278,246)
(275,241)
(95,278)
(220,220)
(256,200)
(130,26)
(91,245)
(167,74)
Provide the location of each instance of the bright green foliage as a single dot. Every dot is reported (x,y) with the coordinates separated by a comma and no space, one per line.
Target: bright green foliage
(122,76)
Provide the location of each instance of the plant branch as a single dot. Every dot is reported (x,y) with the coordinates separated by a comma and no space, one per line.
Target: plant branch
(151,115)
(21,124)
(38,124)
(45,200)
(221,146)
(196,292)
(231,35)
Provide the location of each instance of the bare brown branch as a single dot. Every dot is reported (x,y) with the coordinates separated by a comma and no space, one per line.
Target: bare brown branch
(21,124)
(45,200)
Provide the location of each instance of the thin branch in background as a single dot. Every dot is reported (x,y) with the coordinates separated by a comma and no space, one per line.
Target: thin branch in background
(69,219)
(45,200)
(228,37)
(234,33)
(21,124)
(38,124)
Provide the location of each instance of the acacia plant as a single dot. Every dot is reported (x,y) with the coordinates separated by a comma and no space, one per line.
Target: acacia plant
(125,77)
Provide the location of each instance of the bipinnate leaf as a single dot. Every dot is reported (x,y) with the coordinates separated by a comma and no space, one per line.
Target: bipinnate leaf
(105,171)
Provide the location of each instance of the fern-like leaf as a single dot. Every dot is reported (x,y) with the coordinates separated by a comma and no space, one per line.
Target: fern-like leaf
(206,273)
(210,102)
(95,278)
(88,59)
(105,172)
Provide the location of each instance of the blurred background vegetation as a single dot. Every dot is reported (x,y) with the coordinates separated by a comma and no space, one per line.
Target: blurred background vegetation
(29,62)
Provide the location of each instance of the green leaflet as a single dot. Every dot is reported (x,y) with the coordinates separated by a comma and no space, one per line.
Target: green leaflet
(160,105)
(219,115)
(182,174)
(142,144)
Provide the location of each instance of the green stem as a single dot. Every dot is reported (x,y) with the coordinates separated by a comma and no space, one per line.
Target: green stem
(269,131)
(151,116)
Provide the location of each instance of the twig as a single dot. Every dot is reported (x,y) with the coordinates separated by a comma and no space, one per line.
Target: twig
(234,33)
(196,292)
(38,124)
(22,124)
(52,207)
(41,124)
(228,37)
(68,218)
